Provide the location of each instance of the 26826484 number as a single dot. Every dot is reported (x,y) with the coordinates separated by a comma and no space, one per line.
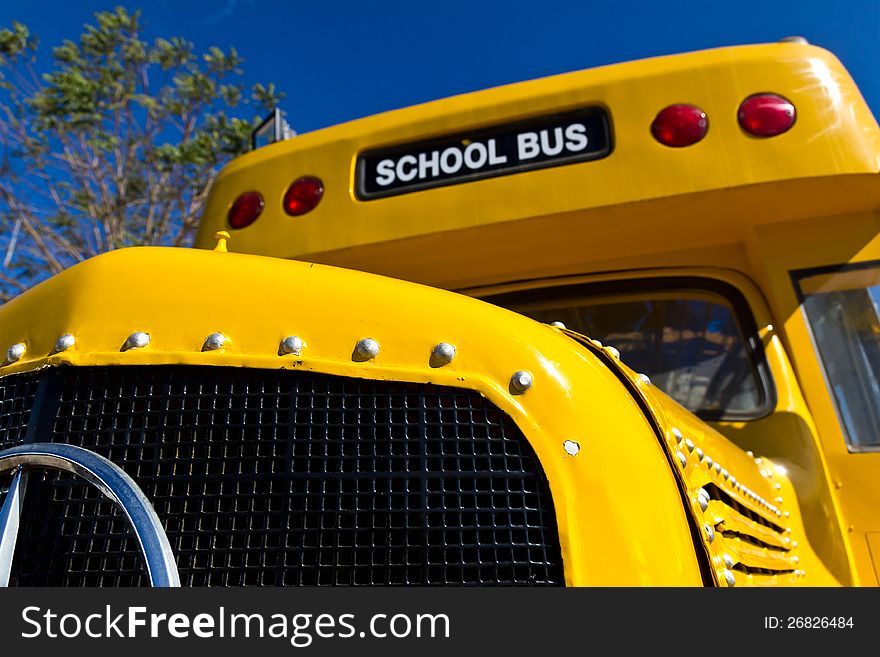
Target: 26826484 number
(808,622)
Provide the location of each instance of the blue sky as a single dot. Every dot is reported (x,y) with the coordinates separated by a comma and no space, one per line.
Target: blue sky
(341,60)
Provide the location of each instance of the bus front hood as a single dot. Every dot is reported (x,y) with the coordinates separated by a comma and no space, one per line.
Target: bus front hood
(643,491)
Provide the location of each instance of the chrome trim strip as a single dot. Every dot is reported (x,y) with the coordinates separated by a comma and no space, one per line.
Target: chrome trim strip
(10,515)
(111,480)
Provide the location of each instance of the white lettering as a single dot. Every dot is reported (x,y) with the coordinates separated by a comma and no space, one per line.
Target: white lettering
(425,163)
(493,157)
(178,626)
(576,137)
(446,165)
(548,142)
(113,625)
(77,623)
(558,144)
(203,626)
(433,619)
(394,620)
(89,625)
(134,621)
(527,145)
(373,631)
(406,176)
(481,155)
(247,619)
(299,638)
(278,629)
(385,169)
(24,617)
(49,616)
(154,623)
(343,622)
(322,621)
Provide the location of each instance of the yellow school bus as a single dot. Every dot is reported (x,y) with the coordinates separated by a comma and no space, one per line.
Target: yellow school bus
(773,239)
(346,382)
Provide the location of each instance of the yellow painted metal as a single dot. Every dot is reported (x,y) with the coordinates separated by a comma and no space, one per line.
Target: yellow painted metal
(473,233)
(777,250)
(873,540)
(618,503)
(788,435)
(732,207)
(746,484)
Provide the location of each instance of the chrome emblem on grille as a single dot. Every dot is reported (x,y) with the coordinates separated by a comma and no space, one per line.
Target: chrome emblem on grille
(104,475)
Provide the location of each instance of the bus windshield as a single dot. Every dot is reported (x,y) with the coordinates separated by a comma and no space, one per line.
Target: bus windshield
(688,341)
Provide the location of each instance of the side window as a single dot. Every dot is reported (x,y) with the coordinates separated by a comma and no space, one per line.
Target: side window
(843,311)
(688,340)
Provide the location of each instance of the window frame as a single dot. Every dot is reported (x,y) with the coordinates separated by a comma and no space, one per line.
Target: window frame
(742,313)
(797,276)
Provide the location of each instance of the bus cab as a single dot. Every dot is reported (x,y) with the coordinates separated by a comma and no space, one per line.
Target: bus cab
(712,216)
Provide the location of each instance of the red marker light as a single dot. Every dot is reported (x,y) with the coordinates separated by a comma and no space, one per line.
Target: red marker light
(680,125)
(303,195)
(766,115)
(245,210)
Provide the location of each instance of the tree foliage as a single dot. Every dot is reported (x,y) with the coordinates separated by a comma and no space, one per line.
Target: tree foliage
(115,146)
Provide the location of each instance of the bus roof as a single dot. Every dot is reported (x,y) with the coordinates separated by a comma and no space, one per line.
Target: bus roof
(468,229)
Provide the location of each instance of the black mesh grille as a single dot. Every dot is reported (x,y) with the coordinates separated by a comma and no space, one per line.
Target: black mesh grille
(16,400)
(73,536)
(288,478)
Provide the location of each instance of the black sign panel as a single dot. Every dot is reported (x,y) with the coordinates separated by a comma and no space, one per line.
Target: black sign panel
(547,141)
